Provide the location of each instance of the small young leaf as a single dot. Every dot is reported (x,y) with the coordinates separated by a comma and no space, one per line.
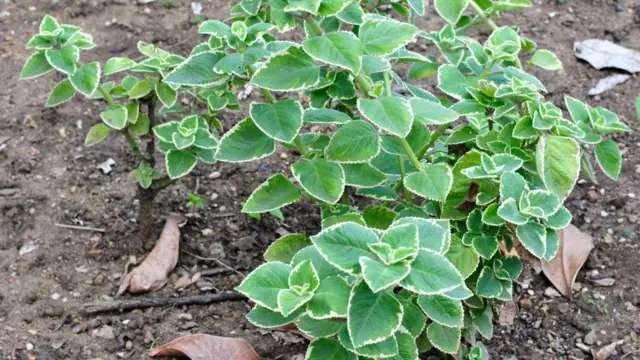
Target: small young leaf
(118,64)
(141,126)
(167,95)
(115,117)
(532,236)
(179,163)
(97,134)
(379,276)
(36,66)
(546,60)
(488,284)
(432,235)
(245,142)
(508,210)
(432,183)
(451,10)
(322,179)
(365,329)
(342,245)
(431,274)
(140,90)
(609,158)
(558,163)
(281,120)
(273,194)
(330,299)
(559,220)
(61,93)
(265,282)
(64,60)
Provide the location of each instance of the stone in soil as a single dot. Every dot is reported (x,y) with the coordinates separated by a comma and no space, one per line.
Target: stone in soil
(590,338)
(106,332)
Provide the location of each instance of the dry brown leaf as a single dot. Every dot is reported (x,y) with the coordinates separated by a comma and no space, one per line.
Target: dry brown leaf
(207,347)
(575,247)
(605,352)
(152,274)
(508,312)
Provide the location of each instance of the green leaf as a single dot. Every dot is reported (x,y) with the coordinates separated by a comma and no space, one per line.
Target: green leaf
(546,60)
(61,93)
(318,328)
(508,210)
(289,301)
(281,121)
(140,90)
(385,348)
(464,258)
(273,194)
(609,158)
(486,246)
(310,6)
(328,349)
(432,113)
(378,217)
(390,113)
(291,70)
(552,242)
(354,142)
(445,339)
(325,116)
(432,183)
(266,318)
(451,10)
(322,179)
(285,247)
(372,317)
(407,347)
(559,220)
(118,64)
(442,310)
(490,215)
(167,95)
(115,117)
(558,163)
(86,79)
(363,175)
(197,70)
(338,48)
(49,24)
(97,134)
(512,186)
(543,200)
(638,106)
(332,7)
(379,276)
(179,163)
(133,112)
(141,126)
(532,236)
(451,81)
(431,274)
(383,37)
(342,245)
(459,293)
(265,282)
(216,28)
(245,142)
(432,235)
(331,299)
(352,14)
(414,319)
(482,320)
(63,60)
(36,66)
(417,6)
(488,284)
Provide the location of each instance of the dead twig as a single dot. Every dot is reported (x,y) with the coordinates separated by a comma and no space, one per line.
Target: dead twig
(81,228)
(131,304)
(216,260)
(215,271)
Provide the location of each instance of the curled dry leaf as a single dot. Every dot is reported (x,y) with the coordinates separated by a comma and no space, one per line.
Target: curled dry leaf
(608,83)
(575,247)
(152,274)
(207,347)
(605,352)
(605,54)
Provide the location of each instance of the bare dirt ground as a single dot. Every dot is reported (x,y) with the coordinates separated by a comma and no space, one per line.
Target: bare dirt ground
(48,177)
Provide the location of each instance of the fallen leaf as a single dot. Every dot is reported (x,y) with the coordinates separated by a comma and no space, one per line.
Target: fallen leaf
(207,347)
(608,83)
(152,274)
(605,352)
(605,54)
(575,247)
(508,312)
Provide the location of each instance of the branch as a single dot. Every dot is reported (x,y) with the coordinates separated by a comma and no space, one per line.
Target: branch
(141,303)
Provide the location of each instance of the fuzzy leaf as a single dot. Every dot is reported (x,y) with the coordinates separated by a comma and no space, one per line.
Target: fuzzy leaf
(328,349)
(288,71)
(390,113)
(86,79)
(64,60)
(488,284)
(363,175)
(558,163)
(339,48)
(384,37)
(379,276)
(432,235)
(508,210)
(432,183)
(464,258)
(442,310)
(179,163)
(342,245)
(546,60)
(115,117)
(118,64)
(431,274)
(451,10)
(61,93)
(331,299)
(265,282)
(532,236)
(355,142)
(445,339)
(609,158)
(97,134)
(325,116)
(266,318)
(372,317)
(273,194)
(36,66)
(281,120)
(245,142)
(167,95)
(197,70)
(285,247)
(322,179)
(432,113)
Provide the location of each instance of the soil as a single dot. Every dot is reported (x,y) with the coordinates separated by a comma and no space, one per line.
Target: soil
(48,177)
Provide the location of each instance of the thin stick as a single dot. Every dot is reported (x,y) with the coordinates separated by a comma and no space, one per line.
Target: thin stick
(131,304)
(216,260)
(215,271)
(82,228)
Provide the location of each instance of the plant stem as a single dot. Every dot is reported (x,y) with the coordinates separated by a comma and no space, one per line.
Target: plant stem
(387,83)
(300,145)
(434,137)
(412,156)
(314,24)
(130,140)
(362,84)
(482,15)
(407,195)
(345,197)
(151,145)
(163,183)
